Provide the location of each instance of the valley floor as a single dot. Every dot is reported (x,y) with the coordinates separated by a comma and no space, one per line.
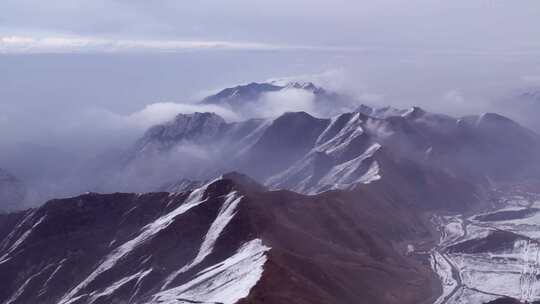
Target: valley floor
(491,255)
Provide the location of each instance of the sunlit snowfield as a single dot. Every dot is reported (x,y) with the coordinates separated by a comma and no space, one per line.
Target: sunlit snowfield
(491,255)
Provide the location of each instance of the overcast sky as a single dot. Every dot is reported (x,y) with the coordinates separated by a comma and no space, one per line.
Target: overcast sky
(78,76)
(455,26)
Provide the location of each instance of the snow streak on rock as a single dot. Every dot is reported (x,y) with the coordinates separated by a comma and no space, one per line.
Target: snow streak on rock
(330,164)
(351,172)
(225,282)
(18,236)
(225,215)
(125,269)
(147,232)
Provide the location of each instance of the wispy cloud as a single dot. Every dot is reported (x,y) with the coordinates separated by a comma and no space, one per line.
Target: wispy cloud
(59,44)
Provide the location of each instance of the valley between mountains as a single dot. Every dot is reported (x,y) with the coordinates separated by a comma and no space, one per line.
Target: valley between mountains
(367,205)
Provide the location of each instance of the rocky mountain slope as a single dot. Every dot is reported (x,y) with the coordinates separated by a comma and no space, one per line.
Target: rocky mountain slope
(309,155)
(339,210)
(228,241)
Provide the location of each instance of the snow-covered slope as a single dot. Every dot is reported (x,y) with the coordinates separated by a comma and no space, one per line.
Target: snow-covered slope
(493,256)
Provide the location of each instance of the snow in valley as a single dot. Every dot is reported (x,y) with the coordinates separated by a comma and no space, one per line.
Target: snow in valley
(491,255)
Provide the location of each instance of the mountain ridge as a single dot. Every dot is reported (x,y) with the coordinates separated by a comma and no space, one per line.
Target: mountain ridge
(231,221)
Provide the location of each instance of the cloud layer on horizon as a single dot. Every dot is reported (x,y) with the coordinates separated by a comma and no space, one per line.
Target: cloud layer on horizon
(59,45)
(460,25)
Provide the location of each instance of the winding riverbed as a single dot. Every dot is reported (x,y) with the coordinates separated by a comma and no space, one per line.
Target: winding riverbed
(490,255)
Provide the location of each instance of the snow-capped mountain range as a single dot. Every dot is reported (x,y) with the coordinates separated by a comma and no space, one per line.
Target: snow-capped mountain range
(365,206)
(307,154)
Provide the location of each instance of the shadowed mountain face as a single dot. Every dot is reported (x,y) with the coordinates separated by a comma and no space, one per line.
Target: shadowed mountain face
(309,155)
(226,241)
(12,192)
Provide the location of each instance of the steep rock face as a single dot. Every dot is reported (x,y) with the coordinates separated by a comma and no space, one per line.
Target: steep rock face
(198,127)
(198,146)
(12,192)
(122,248)
(300,152)
(287,139)
(203,129)
(487,145)
(226,241)
(342,155)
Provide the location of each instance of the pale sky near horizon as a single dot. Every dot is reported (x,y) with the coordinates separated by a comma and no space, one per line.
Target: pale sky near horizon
(447,26)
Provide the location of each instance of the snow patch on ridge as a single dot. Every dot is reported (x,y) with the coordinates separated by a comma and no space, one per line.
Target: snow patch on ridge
(226,213)
(329,165)
(148,232)
(343,138)
(118,284)
(20,239)
(347,174)
(226,282)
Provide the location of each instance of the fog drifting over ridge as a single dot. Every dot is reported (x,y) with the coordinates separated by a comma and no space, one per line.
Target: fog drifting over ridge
(81,78)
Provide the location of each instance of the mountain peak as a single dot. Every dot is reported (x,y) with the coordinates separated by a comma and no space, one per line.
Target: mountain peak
(196,126)
(387,112)
(414,112)
(308,86)
(241,93)
(237,95)
(495,121)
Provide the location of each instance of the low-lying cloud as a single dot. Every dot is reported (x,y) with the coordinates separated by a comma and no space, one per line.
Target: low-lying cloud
(161,112)
(273,104)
